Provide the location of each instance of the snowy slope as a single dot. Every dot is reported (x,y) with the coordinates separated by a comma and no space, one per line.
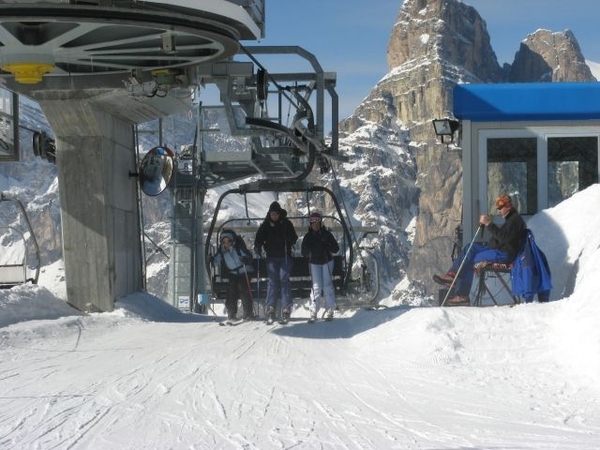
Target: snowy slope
(149,377)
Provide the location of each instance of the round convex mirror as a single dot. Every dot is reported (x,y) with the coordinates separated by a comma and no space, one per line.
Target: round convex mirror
(156,170)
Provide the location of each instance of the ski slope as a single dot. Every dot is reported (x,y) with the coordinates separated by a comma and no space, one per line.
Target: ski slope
(147,376)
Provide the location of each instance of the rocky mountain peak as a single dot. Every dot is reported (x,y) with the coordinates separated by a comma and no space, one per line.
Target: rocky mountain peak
(546,56)
(434,45)
(445,30)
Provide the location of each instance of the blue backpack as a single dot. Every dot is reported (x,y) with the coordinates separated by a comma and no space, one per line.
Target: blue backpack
(531,273)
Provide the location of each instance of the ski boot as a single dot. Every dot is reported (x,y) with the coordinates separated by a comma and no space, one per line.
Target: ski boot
(285,316)
(270,315)
(329,315)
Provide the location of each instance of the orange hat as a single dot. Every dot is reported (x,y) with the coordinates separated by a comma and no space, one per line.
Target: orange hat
(502,201)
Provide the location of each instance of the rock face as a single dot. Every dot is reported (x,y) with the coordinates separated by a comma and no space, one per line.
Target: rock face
(546,56)
(434,45)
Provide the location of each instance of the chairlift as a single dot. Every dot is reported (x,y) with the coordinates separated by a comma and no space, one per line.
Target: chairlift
(16,272)
(355,272)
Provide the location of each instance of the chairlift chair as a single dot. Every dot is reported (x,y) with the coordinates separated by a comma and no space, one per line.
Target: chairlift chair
(13,273)
(357,284)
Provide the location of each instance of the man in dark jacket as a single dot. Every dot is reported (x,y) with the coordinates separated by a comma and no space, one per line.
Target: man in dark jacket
(277,236)
(504,245)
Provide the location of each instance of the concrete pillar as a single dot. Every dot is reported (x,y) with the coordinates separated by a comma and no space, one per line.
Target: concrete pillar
(99,208)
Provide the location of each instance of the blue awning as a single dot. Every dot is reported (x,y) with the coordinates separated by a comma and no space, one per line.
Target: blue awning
(527,101)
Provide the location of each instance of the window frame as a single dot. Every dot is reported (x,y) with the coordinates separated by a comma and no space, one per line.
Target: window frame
(541,134)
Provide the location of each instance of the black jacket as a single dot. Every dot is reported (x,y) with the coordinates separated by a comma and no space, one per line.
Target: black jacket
(319,246)
(510,237)
(277,238)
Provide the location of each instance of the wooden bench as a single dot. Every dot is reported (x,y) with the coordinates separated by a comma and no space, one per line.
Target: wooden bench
(493,271)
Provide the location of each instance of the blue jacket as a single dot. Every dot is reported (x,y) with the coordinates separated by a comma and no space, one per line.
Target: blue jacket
(530,273)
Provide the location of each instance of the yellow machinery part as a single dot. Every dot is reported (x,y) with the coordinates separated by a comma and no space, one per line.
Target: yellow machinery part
(28,72)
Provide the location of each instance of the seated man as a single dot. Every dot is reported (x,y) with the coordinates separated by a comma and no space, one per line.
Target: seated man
(504,245)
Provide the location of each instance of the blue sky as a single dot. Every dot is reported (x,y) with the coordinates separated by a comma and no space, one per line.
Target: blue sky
(350,37)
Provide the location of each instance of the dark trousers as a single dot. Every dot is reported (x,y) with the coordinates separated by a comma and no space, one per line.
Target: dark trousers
(238,288)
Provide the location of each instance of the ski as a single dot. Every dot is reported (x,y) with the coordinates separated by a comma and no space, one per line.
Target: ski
(327,319)
(279,321)
(231,323)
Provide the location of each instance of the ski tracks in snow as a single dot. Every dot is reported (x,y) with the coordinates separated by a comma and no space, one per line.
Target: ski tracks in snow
(82,384)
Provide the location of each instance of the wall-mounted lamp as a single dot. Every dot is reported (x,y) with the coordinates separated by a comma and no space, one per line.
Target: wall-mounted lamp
(445,128)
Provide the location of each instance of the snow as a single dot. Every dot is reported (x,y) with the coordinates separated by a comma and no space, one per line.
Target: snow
(595,68)
(147,376)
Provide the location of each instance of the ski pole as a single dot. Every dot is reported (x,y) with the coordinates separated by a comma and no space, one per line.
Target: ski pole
(258,262)
(331,278)
(312,282)
(481,226)
(213,295)
(249,287)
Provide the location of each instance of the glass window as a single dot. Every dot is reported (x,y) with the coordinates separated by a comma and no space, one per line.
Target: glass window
(572,166)
(512,169)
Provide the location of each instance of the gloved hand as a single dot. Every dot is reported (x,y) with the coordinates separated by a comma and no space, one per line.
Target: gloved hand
(258,252)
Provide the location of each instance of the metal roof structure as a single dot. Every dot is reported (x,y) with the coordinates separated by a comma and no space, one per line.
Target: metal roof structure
(527,101)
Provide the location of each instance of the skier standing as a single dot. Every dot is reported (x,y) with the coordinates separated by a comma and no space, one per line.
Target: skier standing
(319,245)
(277,235)
(238,260)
